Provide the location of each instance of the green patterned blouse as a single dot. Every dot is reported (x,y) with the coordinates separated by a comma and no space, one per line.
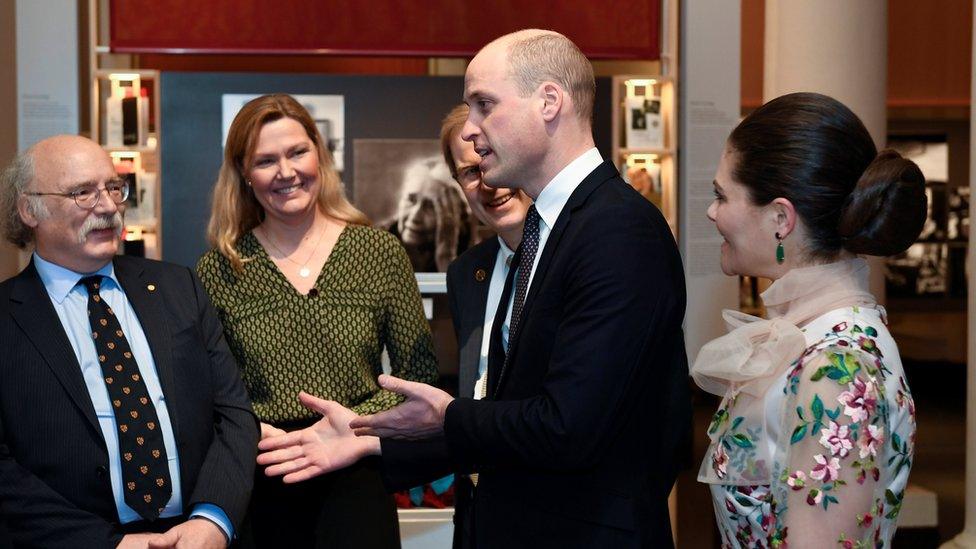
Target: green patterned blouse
(327,343)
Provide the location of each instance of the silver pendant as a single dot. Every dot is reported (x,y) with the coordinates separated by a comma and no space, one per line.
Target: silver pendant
(304,272)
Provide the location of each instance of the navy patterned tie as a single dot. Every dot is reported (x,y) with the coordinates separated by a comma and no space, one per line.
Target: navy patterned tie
(529,247)
(145,469)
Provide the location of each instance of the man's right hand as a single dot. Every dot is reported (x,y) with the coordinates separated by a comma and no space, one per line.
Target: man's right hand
(326,446)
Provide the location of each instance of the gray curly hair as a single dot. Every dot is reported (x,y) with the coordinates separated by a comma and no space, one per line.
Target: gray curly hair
(14,181)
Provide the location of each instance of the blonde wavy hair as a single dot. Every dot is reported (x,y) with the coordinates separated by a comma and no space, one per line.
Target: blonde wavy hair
(235,210)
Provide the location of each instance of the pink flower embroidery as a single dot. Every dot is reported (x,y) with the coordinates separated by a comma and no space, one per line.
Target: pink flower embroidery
(837,439)
(859,402)
(720,462)
(865,520)
(871,439)
(814,497)
(903,398)
(796,480)
(825,471)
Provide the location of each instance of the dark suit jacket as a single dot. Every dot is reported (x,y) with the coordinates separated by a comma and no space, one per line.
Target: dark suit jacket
(54,483)
(579,444)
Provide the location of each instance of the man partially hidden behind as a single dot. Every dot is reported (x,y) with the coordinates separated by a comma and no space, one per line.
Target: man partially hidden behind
(578,440)
(475,281)
(123,420)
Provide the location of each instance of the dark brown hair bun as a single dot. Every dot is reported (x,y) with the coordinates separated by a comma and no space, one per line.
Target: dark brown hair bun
(885,212)
(812,150)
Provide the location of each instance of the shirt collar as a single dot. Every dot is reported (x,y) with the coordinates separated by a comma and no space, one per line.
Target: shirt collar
(59,281)
(554,196)
(506,251)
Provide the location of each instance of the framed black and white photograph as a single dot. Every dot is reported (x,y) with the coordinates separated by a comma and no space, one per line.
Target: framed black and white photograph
(404,186)
(931,268)
(957,227)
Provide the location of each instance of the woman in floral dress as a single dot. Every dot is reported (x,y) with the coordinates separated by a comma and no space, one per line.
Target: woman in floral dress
(813,441)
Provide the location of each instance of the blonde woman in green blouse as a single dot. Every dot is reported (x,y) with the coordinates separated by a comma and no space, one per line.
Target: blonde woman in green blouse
(309,296)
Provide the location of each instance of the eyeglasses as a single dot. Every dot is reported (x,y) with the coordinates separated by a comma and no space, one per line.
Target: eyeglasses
(469,175)
(87,197)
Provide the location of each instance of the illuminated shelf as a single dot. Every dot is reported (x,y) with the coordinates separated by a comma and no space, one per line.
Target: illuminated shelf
(141,150)
(659,152)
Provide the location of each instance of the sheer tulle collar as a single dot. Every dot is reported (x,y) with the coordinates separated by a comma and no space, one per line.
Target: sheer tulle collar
(756,350)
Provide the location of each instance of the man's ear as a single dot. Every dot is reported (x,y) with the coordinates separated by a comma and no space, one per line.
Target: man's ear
(26,212)
(553,97)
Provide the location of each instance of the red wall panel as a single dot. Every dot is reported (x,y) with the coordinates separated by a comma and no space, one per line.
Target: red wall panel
(628,30)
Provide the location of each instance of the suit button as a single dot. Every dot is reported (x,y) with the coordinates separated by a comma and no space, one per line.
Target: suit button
(101,471)
(314,292)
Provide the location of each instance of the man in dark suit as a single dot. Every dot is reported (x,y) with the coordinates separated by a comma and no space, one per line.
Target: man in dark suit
(475,281)
(575,445)
(123,420)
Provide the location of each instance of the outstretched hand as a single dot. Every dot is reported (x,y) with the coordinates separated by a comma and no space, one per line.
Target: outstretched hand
(327,445)
(420,416)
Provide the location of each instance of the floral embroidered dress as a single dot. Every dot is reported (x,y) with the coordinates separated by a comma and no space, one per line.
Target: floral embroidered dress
(819,456)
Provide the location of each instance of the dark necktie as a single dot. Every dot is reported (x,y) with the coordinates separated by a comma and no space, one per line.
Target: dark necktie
(145,469)
(519,274)
(529,247)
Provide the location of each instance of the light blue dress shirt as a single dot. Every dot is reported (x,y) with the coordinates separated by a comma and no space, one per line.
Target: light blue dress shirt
(550,204)
(70,301)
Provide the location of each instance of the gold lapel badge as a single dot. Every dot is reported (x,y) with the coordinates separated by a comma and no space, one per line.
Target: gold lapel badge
(480,275)
(151,287)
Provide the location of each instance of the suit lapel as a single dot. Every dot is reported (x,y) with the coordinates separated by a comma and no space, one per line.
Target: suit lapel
(475,294)
(148,306)
(32,310)
(576,200)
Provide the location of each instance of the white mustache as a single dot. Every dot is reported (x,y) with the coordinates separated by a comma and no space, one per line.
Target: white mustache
(97,222)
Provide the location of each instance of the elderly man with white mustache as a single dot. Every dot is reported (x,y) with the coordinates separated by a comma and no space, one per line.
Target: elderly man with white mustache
(123,419)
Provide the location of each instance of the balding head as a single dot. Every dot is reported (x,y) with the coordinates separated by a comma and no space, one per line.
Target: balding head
(37,205)
(57,157)
(534,56)
(530,95)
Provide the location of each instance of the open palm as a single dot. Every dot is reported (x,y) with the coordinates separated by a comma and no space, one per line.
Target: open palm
(327,445)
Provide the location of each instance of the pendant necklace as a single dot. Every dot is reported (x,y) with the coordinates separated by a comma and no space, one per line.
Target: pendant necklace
(303,270)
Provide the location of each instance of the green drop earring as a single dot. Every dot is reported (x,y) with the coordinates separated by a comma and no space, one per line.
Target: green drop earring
(780,252)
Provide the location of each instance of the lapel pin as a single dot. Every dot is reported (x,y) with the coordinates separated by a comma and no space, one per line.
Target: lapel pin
(480,275)
(151,287)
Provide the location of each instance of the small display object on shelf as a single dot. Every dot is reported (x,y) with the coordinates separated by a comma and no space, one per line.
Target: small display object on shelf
(643,173)
(140,207)
(644,137)
(645,128)
(126,119)
(124,115)
(644,121)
